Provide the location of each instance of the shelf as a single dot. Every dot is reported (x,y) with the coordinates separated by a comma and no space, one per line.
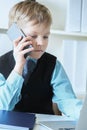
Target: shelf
(2,30)
(70,35)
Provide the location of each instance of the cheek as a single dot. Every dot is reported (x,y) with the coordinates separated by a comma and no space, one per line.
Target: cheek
(46,44)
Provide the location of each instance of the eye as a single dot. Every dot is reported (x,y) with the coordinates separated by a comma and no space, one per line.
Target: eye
(34,36)
(45,37)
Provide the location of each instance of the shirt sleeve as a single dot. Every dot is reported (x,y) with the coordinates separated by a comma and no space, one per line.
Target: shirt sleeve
(64,95)
(10,90)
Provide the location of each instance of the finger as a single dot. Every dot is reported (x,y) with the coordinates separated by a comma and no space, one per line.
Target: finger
(27,50)
(21,46)
(16,41)
(28,38)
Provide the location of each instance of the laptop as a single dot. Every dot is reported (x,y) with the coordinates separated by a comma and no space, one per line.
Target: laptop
(59,125)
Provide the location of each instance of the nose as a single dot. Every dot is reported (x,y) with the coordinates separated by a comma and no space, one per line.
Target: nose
(40,41)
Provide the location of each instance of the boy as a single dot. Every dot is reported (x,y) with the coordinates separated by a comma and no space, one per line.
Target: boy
(46,82)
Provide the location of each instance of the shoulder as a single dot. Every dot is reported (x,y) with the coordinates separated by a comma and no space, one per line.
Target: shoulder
(7,56)
(7,60)
(7,63)
(58,63)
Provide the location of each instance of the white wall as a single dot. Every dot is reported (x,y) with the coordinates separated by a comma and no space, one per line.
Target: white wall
(5,6)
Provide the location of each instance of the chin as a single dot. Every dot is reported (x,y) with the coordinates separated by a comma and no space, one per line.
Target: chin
(36,55)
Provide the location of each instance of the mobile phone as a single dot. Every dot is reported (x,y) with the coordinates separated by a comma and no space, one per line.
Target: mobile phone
(14,32)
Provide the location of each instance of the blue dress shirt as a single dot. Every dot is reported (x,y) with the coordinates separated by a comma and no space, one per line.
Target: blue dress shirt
(64,96)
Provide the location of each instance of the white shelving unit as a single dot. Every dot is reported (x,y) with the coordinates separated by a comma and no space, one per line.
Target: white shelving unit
(59,33)
(69,35)
(3,31)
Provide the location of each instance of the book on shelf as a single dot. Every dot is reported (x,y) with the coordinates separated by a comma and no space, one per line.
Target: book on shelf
(16,120)
(84,16)
(73,21)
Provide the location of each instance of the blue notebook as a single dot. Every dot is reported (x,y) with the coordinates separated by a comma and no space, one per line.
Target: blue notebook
(17,120)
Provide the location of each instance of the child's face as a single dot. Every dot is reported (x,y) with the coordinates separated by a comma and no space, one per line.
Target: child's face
(40,35)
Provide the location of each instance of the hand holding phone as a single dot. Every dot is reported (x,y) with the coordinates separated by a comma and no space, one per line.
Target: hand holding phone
(14,32)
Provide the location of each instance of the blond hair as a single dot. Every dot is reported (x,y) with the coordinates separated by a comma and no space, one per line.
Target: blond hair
(26,11)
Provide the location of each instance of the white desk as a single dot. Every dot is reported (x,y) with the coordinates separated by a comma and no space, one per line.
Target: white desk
(45,117)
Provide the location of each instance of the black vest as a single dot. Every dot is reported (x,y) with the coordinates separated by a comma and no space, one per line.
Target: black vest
(37,94)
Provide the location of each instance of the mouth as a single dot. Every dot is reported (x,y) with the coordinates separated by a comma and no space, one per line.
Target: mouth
(38,50)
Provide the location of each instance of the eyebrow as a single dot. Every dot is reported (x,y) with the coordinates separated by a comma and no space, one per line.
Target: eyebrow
(48,33)
(35,33)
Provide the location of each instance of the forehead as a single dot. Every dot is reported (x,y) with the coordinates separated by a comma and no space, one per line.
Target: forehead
(36,28)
